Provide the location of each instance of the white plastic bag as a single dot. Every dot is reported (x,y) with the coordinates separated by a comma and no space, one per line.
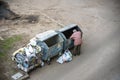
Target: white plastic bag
(66,57)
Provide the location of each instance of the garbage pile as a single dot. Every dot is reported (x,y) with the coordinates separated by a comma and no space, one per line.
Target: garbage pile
(66,57)
(28,57)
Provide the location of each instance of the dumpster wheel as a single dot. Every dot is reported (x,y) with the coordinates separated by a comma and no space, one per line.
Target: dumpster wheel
(49,61)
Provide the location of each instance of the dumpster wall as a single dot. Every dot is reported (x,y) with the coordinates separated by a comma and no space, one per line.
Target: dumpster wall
(69,31)
(52,41)
(66,32)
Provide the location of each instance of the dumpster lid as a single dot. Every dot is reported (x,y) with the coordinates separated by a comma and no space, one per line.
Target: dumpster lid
(45,35)
(68,27)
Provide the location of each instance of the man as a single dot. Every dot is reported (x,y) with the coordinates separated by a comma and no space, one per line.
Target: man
(77,37)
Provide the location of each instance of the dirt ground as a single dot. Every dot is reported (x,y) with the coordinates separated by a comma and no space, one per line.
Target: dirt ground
(100,22)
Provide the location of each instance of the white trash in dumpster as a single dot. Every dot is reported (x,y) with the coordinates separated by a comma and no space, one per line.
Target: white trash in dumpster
(66,57)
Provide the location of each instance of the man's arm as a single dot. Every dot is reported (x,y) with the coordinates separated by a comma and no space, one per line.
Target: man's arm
(71,37)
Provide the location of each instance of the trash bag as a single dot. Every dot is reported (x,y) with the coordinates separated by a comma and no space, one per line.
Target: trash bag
(20,58)
(66,57)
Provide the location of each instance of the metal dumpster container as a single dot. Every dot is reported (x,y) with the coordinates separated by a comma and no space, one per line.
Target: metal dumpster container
(43,47)
(51,44)
(66,32)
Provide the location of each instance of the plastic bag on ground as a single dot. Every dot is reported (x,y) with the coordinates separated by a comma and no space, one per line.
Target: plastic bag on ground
(66,57)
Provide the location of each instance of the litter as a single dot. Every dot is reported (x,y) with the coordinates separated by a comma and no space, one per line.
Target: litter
(17,76)
(66,57)
(20,76)
(28,57)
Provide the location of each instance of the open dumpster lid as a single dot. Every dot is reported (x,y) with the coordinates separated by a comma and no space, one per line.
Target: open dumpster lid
(45,35)
(68,27)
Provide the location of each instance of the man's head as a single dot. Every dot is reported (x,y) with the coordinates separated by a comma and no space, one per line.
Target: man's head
(74,30)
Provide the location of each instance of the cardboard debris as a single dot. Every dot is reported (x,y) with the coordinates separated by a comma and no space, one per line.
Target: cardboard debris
(20,76)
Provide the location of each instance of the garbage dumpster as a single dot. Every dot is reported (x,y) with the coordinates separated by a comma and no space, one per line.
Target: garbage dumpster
(51,44)
(43,47)
(66,32)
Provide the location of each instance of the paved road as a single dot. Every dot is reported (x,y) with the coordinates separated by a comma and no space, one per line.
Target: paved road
(100,22)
